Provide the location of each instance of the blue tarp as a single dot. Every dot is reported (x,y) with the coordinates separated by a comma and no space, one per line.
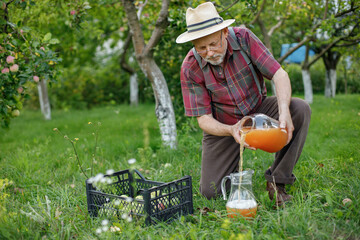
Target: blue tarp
(296,57)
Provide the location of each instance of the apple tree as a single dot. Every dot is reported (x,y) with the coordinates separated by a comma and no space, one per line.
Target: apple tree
(25,57)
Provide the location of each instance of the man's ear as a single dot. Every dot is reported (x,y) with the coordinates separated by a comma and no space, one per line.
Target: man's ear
(225,32)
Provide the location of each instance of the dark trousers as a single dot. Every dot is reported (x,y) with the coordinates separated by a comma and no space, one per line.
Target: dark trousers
(220,155)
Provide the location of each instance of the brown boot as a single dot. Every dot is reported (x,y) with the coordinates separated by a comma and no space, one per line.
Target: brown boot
(279,190)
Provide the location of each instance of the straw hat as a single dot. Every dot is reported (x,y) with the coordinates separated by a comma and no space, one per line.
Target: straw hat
(202,21)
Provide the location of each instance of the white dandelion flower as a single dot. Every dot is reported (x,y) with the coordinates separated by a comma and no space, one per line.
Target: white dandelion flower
(104,222)
(91,180)
(105,228)
(115,229)
(132,161)
(98,177)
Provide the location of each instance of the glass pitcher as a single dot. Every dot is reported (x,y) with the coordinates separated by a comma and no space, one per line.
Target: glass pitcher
(263,132)
(241,199)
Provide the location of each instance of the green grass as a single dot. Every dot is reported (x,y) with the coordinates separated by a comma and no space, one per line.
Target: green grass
(41,164)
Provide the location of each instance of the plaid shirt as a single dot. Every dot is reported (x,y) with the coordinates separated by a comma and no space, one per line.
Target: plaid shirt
(229,93)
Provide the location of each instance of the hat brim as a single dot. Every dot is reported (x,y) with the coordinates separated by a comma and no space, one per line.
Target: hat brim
(189,36)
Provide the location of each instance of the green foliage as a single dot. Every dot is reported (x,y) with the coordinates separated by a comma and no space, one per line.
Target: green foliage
(25,56)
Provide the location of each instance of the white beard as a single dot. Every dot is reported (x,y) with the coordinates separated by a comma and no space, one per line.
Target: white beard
(218,62)
(220,55)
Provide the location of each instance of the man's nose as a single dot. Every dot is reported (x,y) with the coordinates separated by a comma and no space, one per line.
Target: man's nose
(209,52)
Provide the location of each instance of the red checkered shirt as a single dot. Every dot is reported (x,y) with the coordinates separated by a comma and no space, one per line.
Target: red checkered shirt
(229,93)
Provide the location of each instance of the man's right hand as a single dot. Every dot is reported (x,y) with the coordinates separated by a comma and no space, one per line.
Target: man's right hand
(236,133)
(212,126)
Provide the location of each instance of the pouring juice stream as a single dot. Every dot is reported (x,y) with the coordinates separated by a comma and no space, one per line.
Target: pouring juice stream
(241,207)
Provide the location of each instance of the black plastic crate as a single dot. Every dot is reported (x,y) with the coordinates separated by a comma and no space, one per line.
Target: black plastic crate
(155,201)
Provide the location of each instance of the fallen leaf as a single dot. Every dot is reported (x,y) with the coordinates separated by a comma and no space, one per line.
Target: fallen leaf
(346,201)
(204,210)
(18,190)
(320,165)
(57,213)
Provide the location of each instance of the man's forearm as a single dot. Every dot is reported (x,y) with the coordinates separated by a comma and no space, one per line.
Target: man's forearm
(283,94)
(211,126)
(283,90)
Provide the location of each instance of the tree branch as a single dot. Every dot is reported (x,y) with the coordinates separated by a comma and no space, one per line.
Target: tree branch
(6,15)
(160,27)
(326,9)
(258,13)
(140,9)
(306,59)
(230,6)
(276,26)
(352,9)
(330,45)
(305,40)
(134,24)
(352,43)
(123,63)
(126,46)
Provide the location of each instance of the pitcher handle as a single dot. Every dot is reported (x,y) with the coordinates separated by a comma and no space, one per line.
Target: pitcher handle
(223,188)
(244,122)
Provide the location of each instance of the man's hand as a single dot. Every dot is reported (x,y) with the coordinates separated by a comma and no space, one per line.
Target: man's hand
(236,133)
(286,123)
(214,127)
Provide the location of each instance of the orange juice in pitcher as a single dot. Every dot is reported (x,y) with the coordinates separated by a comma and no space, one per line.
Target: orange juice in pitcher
(263,132)
(241,202)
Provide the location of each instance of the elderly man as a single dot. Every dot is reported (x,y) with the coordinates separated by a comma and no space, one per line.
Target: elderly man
(222,81)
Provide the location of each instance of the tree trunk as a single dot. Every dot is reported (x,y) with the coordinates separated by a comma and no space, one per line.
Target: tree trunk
(44,100)
(164,109)
(327,84)
(330,83)
(134,86)
(345,78)
(305,71)
(333,82)
(134,90)
(308,91)
(331,59)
